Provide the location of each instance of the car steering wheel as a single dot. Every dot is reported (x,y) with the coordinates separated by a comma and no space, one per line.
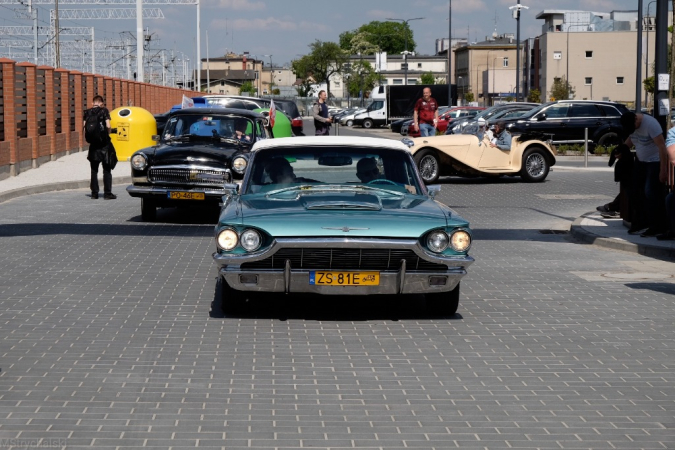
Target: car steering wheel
(383,181)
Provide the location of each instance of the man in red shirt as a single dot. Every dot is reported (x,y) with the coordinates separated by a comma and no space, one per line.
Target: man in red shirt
(425,115)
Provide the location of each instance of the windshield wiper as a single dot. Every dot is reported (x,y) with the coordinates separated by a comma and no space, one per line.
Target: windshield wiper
(333,188)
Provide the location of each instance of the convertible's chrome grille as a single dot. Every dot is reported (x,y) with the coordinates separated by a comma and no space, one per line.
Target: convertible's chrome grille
(345,259)
(186,176)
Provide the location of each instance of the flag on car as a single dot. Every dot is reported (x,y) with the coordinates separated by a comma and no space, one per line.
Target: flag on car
(273,113)
(187,102)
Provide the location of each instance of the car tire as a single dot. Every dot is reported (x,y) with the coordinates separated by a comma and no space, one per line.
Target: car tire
(535,165)
(350,123)
(368,124)
(230,301)
(429,165)
(443,303)
(148,210)
(610,138)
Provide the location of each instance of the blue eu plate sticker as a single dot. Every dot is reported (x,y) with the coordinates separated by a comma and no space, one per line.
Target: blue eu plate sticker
(312,277)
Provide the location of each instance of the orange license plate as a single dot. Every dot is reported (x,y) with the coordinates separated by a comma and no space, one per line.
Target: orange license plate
(344,278)
(186,195)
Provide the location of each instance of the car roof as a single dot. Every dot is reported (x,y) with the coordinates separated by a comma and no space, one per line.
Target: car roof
(219,111)
(329,141)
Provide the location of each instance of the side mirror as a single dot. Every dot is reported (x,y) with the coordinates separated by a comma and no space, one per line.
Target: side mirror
(155,137)
(541,117)
(232,188)
(433,190)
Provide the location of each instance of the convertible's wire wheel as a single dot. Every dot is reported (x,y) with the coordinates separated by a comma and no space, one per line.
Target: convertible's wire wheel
(535,165)
(428,167)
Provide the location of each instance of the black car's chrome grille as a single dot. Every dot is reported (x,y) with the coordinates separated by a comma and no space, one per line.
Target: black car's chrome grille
(191,177)
(345,259)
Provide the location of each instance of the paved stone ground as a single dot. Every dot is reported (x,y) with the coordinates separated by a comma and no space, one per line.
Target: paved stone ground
(107,338)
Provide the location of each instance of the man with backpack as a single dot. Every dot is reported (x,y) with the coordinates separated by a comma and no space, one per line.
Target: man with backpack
(96,128)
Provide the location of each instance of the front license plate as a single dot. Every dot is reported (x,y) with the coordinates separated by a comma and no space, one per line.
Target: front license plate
(186,195)
(344,278)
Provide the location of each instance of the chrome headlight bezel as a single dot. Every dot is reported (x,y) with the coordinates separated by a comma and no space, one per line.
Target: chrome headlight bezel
(437,241)
(227,239)
(246,244)
(239,164)
(460,240)
(139,161)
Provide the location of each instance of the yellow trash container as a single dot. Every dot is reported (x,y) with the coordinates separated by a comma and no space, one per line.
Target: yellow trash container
(135,128)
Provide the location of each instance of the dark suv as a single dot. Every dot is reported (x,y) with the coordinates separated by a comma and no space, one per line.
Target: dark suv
(566,120)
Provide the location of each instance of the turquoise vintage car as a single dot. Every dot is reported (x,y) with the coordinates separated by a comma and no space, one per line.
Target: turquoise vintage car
(338,215)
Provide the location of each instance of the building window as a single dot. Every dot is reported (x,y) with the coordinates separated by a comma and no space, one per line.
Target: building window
(385,81)
(412,80)
(588,81)
(419,65)
(619,80)
(506,62)
(398,80)
(589,54)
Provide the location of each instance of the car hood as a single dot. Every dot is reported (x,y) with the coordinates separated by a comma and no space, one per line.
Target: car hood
(196,153)
(354,214)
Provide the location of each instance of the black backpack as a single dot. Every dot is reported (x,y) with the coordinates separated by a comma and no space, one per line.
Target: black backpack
(94,128)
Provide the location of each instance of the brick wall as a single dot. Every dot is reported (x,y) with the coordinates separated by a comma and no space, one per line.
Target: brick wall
(42,107)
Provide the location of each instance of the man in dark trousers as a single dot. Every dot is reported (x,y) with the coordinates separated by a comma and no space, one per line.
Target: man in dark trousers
(320,113)
(99,148)
(425,114)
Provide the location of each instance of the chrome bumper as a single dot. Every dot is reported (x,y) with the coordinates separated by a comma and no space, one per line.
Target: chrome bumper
(161,191)
(291,280)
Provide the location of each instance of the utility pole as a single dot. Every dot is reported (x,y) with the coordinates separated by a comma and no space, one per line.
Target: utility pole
(208,73)
(516,15)
(57,50)
(450,54)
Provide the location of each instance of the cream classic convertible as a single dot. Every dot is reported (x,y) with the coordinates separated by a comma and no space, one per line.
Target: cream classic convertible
(530,157)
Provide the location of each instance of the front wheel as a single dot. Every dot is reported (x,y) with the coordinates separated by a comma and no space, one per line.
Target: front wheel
(429,166)
(535,165)
(148,210)
(350,123)
(368,123)
(608,139)
(443,303)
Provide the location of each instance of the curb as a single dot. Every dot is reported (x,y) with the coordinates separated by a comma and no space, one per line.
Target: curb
(581,234)
(51,187)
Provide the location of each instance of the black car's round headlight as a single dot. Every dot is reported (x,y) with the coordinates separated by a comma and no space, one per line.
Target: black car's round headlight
(437,241)
(239,164)
(251,240)
(460,241)
(139,161)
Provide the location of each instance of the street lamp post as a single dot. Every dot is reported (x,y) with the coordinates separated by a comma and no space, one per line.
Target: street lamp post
(647,54)
(516,15)
(405,53)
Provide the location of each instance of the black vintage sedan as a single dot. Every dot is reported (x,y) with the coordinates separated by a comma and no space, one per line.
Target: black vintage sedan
(199,150)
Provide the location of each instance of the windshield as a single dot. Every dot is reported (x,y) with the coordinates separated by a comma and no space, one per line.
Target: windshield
(332,168)
(211,126)
(534,111)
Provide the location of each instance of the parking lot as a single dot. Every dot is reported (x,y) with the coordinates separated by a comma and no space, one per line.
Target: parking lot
(108,338)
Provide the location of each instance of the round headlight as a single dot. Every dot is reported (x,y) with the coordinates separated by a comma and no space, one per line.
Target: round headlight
(251,240)
(239,164)
(227,239)
(139,161)
(437,241)
(460,241)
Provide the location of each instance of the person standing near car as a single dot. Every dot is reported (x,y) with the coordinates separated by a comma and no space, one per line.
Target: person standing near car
(320,113)
(425,114)
(96,127)
(650,173)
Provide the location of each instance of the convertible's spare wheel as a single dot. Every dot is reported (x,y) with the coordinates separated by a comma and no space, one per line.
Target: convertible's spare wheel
(443,303)
(535,165)
(429,165)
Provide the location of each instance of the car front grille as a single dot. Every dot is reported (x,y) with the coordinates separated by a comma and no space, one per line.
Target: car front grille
(345,259)
(191,177)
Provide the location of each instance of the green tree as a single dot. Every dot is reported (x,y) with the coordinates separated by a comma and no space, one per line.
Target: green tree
(561,89)
(362,75)
(388,36)
(468,97)
(427,78)
(324,60)
(247,86)
(534,96)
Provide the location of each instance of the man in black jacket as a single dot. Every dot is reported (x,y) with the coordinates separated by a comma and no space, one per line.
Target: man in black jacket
(100,152)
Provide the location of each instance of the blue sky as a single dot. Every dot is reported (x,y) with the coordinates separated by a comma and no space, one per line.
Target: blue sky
(284,28)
